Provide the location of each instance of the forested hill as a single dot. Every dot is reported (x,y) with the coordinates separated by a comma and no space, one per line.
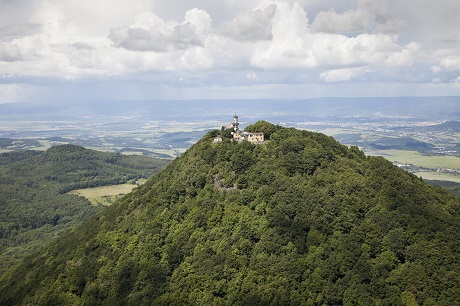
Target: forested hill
(33,203)
(299,220)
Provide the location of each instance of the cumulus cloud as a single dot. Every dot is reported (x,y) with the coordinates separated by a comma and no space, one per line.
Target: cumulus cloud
(273,36)
(151,33)
(451,63)
(138,39)
(245,42)
(200,19)
(370,17)
(405,56)
(289,46)
(250,25)
(294,45)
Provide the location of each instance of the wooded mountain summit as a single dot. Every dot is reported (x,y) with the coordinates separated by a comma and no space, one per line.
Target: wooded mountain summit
(298,220)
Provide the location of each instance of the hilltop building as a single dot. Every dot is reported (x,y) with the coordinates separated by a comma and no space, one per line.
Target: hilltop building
(238,135)
(235,124)
(254,137)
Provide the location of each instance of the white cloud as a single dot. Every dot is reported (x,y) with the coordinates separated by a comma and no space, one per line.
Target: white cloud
(208,43)
(200,19)
(451,63)
(288,47)
(196,59)
(405,56)
(345,74)
(295,46)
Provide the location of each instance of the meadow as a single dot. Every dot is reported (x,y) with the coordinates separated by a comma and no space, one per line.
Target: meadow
(417,159)
(436,176)
(106,195)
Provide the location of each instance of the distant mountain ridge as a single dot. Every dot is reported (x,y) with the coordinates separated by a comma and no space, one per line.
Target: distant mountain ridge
(299,220)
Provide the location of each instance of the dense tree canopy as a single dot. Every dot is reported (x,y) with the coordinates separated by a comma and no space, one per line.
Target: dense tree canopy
(300,220)
(33,203)
(263,126)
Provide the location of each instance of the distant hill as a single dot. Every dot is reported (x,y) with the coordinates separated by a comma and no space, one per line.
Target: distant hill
(402,143)
(453,126)
(34,205)
(299,220)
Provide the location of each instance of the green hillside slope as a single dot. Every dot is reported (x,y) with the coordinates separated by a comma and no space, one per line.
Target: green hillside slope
(300,220)
(33,203)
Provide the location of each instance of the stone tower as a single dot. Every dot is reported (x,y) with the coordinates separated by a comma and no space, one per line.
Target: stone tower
(235,123)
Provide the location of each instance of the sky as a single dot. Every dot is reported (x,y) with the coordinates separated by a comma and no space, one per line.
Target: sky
(92,50)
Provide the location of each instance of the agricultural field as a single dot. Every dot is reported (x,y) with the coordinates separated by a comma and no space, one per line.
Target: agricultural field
(434,168)
(417,159)
(421,156)
(106,195)
(436,176)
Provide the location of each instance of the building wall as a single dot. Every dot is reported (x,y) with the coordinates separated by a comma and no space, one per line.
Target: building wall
(255,137)
(238,137)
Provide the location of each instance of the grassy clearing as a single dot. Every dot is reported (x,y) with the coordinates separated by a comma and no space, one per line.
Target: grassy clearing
(173,153)
(132,153)
(331,131)
(106,195)
(45,145)
(417,159)
(436,176)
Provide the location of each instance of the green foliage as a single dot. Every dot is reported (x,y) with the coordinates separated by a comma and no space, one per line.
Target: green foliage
(263,126)
(5,143)
(452,186)
(226,133)
(33,205)
(301,220)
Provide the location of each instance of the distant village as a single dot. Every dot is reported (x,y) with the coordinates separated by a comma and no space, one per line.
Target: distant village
(239,136)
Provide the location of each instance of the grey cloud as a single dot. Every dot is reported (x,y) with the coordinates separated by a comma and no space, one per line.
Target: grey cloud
(151,39)
(252,25)
(433,23)
(331,22)
(9,53)
(18,30)
(184,35)
(369,17)
(384,20)
(82,46)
